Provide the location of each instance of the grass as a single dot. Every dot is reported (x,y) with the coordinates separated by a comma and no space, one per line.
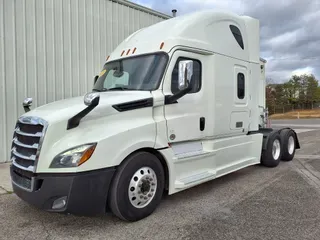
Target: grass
(304,114)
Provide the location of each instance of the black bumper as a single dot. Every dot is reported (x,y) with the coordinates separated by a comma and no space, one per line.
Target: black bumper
(86,192)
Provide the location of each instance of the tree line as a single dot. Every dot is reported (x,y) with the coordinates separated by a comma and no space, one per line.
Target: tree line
(300,92)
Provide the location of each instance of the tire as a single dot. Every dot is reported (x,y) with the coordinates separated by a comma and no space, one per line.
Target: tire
(130,184)
(288,139)
(269,158)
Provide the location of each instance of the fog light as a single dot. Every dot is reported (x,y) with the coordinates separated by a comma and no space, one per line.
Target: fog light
(59,203)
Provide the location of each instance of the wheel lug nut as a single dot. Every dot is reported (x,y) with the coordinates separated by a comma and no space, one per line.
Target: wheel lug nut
(153,184)
(149,195)
(141,196)
(145,198)
(152,190)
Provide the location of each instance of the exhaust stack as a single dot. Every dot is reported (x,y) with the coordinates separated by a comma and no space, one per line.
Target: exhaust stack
(174,12)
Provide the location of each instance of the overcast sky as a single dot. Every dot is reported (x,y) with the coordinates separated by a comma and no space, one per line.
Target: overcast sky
(289,30)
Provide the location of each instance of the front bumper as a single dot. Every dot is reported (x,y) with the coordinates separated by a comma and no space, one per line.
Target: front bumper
(86,193)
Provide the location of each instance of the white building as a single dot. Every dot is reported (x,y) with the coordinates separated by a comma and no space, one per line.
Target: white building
(51,49)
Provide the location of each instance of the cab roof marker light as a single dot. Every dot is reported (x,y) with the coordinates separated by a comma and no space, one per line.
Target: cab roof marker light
(128,51)
(134,50)
(122,53)
(161,45)
(108,58)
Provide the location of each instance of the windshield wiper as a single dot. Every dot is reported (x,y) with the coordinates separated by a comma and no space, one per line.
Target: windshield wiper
(120,88)
(112,89)
(100,90)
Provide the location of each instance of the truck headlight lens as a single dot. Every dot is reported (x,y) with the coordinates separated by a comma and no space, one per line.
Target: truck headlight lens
(73,157)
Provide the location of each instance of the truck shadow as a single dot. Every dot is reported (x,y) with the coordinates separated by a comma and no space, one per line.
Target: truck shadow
(174,214)
(210,203)
(169,203)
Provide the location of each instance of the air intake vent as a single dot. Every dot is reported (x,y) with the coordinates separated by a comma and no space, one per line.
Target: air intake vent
(127,106)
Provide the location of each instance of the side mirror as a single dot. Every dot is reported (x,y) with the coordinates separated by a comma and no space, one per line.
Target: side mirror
(184,81)
(26,104)
(92,99)
(95,79)
(185,74)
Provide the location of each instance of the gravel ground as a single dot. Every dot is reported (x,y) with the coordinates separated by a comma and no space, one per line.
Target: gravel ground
(253,203)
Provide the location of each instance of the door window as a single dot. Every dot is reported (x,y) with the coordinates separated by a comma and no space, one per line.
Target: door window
(195,80)
(241,85)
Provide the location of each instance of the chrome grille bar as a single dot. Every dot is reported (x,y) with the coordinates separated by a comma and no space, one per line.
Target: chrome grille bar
(38,134)
(19,155)
(34,146)
(30,168)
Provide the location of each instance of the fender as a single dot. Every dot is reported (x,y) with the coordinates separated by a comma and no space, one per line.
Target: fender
(267,132)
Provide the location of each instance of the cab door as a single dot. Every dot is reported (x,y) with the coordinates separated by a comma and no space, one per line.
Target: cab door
(186,118)
(240,115)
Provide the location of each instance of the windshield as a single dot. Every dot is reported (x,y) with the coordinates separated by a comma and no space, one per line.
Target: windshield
(141,73)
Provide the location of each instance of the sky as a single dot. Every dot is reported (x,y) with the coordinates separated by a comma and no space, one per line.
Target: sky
(289,30)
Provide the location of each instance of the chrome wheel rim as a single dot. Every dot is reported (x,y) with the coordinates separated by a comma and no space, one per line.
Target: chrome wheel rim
(142,187)
(291,145)
(276,149)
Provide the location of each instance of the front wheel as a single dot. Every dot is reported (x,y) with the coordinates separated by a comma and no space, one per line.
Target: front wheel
(137,188)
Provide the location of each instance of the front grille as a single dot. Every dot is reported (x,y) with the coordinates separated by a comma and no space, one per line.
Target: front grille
(25,179)
(27,138)
(22,181)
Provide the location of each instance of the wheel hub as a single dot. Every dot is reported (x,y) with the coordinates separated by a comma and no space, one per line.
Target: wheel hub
(276,149)
(290,145)
(142,187)
(145,186)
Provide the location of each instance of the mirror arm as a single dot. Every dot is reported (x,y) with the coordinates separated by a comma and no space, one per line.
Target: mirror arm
(95,79)
(74,121)
(26,109)
(169,99)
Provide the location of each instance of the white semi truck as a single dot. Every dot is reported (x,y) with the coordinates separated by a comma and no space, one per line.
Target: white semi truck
(176,104)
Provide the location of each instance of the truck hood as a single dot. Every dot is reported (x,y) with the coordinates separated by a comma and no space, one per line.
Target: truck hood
(67,108)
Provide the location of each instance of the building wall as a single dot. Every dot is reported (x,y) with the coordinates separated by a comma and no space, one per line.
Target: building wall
(51,50)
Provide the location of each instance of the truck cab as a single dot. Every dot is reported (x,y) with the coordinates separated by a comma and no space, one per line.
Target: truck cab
(175,105)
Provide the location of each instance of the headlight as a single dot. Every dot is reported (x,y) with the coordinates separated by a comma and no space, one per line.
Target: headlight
(73,157)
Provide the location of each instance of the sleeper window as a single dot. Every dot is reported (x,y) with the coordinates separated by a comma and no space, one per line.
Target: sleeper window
(195,80)
(237,35)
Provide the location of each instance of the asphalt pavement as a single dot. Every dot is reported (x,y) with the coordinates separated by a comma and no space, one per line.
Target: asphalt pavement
(300,125)
(253,203)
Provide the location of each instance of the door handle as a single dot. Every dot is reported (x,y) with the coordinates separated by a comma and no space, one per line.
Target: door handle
(202,123)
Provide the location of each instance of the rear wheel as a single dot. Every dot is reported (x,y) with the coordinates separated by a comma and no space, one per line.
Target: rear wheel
(272,154)
(137,188)
(288,144)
